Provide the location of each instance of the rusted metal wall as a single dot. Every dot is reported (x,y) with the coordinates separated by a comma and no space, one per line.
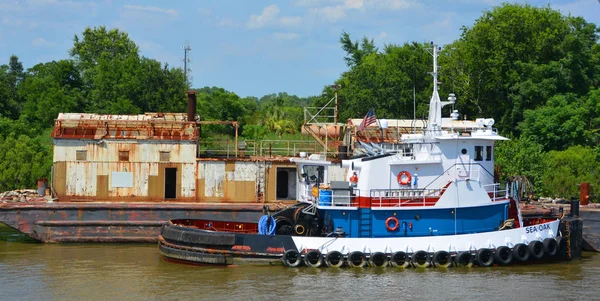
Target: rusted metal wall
(227,181)
(105,150)
(95,176)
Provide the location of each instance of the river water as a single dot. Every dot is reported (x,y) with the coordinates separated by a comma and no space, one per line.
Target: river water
(34,271)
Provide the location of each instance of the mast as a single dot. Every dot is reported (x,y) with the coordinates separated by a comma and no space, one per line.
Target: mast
(434,122)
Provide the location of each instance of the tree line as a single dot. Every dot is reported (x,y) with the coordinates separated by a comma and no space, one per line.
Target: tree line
(533,69)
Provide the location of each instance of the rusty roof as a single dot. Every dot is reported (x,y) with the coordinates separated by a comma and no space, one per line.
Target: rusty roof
(148,126)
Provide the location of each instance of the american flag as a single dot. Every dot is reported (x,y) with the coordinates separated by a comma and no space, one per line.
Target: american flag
(369,119)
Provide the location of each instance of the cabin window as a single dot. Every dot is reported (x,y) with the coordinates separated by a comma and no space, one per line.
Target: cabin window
(463,151)
(478,153)
(123,155)
(488,153)
(164,156)
(407,150)
(81,155)
(313,173)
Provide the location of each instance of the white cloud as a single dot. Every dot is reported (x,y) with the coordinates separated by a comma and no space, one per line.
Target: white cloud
(331,13)
(353,4)
(41,42)
(270,16)
(269,13)
(285,36)
(152,9)
(290,21)
(383,35)
(392,4)
(205,11)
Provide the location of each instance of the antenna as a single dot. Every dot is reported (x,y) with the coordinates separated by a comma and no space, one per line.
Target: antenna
(186,60)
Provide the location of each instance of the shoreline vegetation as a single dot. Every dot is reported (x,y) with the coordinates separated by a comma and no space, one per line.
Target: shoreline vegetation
(533,69)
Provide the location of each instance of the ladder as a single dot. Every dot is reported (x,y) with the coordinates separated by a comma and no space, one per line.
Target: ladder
(365,226)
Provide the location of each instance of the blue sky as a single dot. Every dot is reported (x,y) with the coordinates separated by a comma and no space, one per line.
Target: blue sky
(253,47)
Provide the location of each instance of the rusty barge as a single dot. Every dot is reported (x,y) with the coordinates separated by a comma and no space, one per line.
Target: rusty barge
(119,178)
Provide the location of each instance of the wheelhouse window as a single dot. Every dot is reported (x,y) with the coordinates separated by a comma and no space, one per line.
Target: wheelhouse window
(313,173)
(488,153)
(478,153)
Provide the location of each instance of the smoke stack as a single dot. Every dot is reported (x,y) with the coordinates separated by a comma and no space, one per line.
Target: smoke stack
(191,107)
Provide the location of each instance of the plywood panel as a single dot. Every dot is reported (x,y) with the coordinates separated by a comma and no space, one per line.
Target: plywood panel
(241,191)
(102,186)
(59,180)
(156,187)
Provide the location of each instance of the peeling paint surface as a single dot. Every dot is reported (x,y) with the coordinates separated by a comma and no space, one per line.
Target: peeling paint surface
(244,171)
(213,174)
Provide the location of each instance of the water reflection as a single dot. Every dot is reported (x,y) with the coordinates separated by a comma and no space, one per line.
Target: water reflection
(137,272)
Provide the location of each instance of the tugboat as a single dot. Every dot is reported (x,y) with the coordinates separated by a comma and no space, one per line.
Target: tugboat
(430,200)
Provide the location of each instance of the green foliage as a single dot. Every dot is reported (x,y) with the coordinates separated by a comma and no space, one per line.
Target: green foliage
(557,125)
(254,132)
(23,160)
(516,56)
(564,170)
(50,89)
(520,157)
(10,77)
(355,51)
(385,82)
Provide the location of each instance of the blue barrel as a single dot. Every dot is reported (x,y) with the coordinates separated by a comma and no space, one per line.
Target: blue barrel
(324,197)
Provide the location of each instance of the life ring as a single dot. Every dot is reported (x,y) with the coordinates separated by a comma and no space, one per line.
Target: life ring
(389,220)
(404,177)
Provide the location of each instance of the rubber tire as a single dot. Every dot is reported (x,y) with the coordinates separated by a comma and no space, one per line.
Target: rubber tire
(421,259)
(334,259)
(503,255)
(464,259)
(292,258)
(536,249)
(485,257)
(313,259)
(441,259)
(378,259)
(562,247)
(357,259)
(188,236)
(399,259)
(550,247)
(521,252)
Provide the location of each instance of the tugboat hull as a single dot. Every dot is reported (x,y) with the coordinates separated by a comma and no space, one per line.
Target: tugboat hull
(198,246)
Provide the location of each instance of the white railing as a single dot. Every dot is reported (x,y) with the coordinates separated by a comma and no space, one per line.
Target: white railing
(404,197)
(495,193)
(333,200)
